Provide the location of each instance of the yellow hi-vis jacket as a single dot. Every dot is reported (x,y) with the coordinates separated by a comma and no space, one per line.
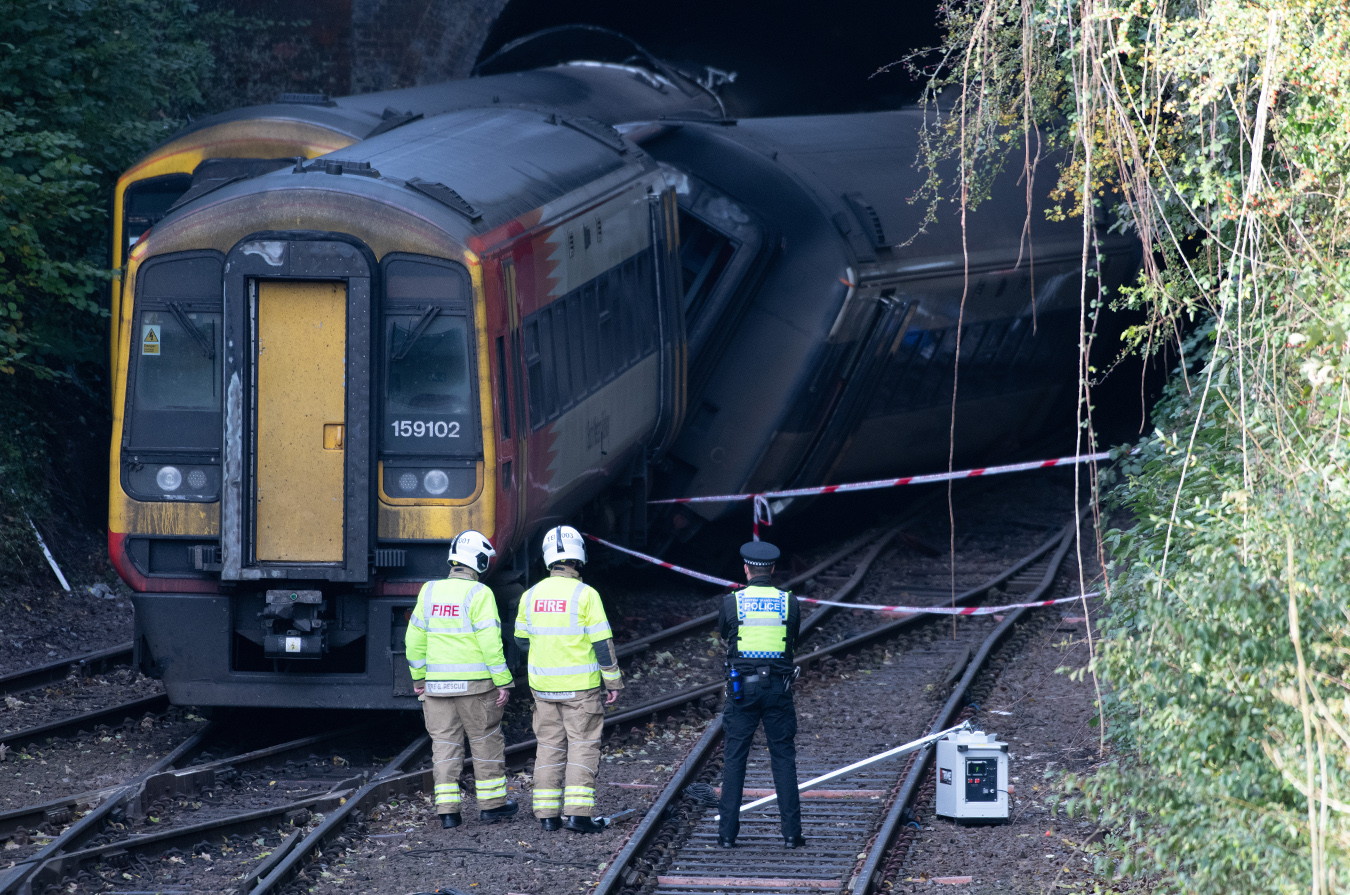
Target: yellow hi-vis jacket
(455,634)
(562,617)
(762,613)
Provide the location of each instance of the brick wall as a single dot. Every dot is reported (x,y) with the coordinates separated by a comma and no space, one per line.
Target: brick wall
(401,43)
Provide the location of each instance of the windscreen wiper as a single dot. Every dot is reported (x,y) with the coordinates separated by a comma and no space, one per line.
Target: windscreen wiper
(418,329)
(203,343)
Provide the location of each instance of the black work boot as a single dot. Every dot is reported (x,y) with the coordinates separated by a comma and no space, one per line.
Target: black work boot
(551,824)
(451,820)
(501,812)
(726,841)
(579,823)
(794,841)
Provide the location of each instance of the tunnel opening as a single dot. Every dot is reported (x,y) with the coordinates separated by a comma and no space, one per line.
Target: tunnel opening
(846,58)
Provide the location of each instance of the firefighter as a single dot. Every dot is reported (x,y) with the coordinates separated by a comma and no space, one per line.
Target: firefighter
(574,674)
(760,625)
(454,647)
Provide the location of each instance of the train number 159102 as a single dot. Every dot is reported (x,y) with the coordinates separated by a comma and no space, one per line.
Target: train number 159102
(420,429)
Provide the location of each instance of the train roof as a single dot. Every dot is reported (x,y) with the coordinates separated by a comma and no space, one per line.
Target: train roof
(865,172)
(477,167)
(604,91)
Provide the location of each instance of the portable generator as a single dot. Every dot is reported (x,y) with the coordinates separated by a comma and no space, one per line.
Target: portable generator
(972,777)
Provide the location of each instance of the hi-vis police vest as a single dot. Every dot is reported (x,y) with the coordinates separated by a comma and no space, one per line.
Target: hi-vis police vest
(762,632)
(562,617)
(455,634)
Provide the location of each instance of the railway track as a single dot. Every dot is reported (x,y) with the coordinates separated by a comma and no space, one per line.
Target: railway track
(292,830)
(849,829)
(1024,579)
(115,830)
(83,665)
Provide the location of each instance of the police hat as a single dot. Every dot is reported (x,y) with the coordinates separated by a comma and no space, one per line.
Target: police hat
(759,553)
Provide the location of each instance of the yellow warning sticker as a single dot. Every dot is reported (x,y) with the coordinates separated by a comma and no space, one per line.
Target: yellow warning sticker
(150,338)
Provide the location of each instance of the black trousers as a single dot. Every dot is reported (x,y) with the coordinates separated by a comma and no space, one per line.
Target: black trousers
(774,707)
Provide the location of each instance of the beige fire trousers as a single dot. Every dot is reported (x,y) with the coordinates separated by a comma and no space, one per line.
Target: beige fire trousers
(568,754)
(449,719)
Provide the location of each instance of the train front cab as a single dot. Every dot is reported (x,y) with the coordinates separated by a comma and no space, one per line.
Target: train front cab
(242,480)
(276,518)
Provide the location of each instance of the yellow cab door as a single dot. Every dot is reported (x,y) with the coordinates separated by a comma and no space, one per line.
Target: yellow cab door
(301,421)
(297,448)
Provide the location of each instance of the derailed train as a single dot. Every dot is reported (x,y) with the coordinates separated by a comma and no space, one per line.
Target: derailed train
(517,305)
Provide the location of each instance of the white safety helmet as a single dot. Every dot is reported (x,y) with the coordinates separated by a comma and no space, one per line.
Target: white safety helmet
(563,542)
(472,549)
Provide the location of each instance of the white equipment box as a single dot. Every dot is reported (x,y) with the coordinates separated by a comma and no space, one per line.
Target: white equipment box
(972,772)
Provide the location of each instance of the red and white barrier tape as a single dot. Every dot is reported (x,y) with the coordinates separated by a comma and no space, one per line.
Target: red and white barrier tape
(892,483)
(711,579)
(934,610)
(952,610)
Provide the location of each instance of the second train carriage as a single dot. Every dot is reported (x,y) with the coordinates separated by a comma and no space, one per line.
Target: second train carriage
(335,368)
(823,324)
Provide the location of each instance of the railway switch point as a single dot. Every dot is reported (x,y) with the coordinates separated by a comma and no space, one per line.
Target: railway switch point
(972,783)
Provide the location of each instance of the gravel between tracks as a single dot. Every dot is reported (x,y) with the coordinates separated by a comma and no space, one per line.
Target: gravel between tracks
(1049,728)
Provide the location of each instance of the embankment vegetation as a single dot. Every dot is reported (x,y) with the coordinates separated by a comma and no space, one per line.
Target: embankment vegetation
(1218,131)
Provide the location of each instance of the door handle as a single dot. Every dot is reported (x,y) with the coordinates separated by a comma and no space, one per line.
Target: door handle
(334,436)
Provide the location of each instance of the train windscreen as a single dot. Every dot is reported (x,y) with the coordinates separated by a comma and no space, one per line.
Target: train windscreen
(428,369)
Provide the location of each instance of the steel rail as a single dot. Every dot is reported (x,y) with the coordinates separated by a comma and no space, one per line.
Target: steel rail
(710,618)
(111,716)
(868,878)
(915,510)
(172,782)
(283,866)
(640,840)
(21,877)
(86,664)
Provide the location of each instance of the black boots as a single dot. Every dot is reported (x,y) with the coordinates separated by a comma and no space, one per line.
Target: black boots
(794,841)
(450,821)
(575,822)
(503,812)
(580,824)
(726,842)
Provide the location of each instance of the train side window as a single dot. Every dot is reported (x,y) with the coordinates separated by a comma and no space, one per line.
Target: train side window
(550,367)
(503,398)
(534,362)
(608,326)
(628,340)
(704,255)
(590,316)
(562,347)
(576,347)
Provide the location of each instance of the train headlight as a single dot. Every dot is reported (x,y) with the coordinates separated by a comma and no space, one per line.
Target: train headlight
(196,479)
(169,478)
(407,482)
(435,482)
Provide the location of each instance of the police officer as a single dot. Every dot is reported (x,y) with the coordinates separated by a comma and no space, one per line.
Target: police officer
(574,674)
(454,648)
(760,626)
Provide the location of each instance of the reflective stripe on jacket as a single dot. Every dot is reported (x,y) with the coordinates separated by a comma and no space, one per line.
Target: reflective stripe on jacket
(562,617)
(761,614)
(455,634)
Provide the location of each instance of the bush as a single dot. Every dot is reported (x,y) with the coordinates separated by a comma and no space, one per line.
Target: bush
(86,86)
(1220,134)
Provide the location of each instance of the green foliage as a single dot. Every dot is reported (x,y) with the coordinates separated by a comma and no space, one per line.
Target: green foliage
(1219,131)
(85,87)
